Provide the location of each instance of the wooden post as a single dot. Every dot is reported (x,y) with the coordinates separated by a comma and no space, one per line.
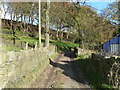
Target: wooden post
(21,44)
(35,45)
(26,46)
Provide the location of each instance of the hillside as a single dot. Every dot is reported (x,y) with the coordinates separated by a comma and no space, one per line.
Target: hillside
(29,28)
(21,39)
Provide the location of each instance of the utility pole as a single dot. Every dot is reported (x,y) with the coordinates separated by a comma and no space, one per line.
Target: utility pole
(39,23)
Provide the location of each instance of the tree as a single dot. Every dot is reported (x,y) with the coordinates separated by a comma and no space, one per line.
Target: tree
(6,8)
(39,24)
(47,24)
(24,10)
(111,14)
(119,17)
(81,19)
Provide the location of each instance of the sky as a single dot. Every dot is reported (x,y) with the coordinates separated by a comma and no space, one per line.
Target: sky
(99,5)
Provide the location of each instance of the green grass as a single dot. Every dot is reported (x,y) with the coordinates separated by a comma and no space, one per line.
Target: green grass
(7,31)
(53,55)
(7,36)
(11,48)
(63,45)
(91,75)
(29,40)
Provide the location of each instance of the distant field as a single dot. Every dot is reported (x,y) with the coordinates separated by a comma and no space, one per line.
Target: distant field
(21,38)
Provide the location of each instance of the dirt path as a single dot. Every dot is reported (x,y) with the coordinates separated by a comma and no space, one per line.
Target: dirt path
(62,73)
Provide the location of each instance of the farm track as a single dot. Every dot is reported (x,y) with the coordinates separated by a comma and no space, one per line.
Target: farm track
(63,73)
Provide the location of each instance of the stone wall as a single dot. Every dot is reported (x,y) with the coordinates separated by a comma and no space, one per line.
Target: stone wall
(107,68)
(20,69)
(84,53)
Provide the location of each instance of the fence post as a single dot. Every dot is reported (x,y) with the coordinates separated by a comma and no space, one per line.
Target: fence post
(35,45)
(21,44)
(26,46)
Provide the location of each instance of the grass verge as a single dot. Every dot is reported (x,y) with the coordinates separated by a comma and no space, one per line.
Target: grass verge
(94,78)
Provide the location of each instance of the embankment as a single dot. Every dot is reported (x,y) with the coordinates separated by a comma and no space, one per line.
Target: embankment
(20,69)
(99,71)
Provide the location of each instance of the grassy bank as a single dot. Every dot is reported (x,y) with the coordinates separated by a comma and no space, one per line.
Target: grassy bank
(63,45)
(94,77)
(22,38)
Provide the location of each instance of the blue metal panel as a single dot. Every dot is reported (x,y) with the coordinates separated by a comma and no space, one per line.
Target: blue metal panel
(107,45)
(115,40)
(114,49)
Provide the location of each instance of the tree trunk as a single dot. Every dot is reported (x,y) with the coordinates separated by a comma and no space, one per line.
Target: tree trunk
(14,16)
(14,29)
(32,20)
(57,33)
(24,23)
(119,16)
(29,19)
(47,24)
(0,18)
(11,22)
(5,11)
(61,35)
(14,36)
(21,18)
(83,47)
(5,16)
(13,32)
(81,38)
(67,35)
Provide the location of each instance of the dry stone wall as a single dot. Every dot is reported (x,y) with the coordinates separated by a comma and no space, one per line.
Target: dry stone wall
(84,53)
(108,68)
(20,69)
